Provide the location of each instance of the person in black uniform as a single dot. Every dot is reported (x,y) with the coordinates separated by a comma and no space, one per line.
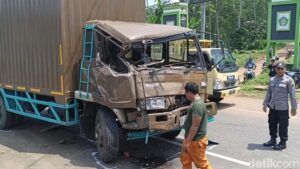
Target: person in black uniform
(271,67)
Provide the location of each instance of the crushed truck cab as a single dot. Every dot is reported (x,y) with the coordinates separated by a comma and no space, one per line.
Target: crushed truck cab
(132,73)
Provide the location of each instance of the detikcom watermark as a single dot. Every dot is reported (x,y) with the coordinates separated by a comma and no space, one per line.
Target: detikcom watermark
(274,164)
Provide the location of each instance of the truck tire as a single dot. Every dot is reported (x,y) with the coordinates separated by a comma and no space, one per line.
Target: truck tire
(87,121)
(106,135)
(17,119)
(6,118)
(171,134)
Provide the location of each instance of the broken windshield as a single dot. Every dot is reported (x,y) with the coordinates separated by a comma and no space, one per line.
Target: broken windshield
(179,53)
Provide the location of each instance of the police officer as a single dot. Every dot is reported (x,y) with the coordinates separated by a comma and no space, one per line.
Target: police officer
(277,100)
(271,67)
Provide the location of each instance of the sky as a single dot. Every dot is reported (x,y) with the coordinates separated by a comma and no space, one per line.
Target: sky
(151,2)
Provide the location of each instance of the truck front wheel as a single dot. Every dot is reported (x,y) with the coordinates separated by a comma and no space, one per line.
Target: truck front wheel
(6,118)
(106,135)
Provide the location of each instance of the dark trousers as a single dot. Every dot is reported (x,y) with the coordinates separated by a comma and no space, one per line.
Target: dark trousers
(279,118)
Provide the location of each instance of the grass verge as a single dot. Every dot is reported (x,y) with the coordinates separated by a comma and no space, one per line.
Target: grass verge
(242,57)
(254,87)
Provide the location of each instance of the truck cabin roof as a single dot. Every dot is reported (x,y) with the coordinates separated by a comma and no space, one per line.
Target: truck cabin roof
(132,33)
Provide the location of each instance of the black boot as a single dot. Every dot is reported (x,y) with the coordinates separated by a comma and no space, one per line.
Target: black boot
(280,146)
(271,142)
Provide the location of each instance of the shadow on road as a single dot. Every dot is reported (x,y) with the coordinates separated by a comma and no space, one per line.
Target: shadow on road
(40,138)
(252,146)
(222,106)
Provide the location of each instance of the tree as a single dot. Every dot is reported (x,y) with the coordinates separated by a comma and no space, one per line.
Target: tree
(241,28)
(154,15)
(251,18)
(159,11)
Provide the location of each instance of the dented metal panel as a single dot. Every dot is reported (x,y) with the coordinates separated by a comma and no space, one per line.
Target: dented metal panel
(169,82)
(133,32)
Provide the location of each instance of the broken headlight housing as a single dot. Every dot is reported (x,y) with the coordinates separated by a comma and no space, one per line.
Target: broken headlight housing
(155,103)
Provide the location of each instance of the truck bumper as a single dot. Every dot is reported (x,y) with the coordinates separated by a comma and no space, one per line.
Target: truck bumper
(224,93)
(175,119)
(167,120)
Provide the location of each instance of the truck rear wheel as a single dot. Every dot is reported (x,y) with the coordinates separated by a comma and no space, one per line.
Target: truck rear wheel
(17,119)
(171,134)
(6,118)
(107,135)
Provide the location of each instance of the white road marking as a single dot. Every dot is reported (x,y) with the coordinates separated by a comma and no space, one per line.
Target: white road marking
(100,163)
(248,164)
(212,147)
(243,110)
(180,137)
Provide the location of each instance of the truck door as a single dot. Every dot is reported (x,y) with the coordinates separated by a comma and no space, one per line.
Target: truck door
(112,77)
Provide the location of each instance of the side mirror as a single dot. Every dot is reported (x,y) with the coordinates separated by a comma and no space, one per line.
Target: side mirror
(210,65)
(222,48)
(212,62)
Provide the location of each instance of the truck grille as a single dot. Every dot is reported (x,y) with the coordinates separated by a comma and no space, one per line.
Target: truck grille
(229,84)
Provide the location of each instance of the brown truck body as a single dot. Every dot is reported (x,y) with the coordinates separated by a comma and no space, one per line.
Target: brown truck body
(41,41)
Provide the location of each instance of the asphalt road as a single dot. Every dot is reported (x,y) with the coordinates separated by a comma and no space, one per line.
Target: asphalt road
(240,129)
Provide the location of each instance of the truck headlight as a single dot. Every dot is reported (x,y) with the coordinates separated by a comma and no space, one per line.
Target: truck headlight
(155,103)
(218,84)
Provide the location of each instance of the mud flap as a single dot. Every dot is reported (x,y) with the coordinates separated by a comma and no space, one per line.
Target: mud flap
(211,108)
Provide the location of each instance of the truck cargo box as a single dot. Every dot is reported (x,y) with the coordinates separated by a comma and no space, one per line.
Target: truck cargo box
(41,41)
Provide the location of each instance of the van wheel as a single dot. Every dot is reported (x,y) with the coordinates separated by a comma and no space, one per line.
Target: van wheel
(106,135)
(6,118)
(171,134)
(217,100)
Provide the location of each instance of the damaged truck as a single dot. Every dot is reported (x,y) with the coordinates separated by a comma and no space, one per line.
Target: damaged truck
(117,79)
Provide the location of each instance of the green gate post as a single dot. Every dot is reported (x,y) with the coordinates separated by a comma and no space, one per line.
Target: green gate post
(285,8)
(175,14)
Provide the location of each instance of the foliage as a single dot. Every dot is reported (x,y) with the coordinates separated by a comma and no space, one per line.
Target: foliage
(262,79)
(249,37)
(154,15)
(249,87)
(241,58)
(242,23)
(253,21)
